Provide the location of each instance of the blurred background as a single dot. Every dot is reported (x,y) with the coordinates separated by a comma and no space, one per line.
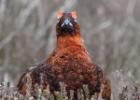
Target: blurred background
(110,29)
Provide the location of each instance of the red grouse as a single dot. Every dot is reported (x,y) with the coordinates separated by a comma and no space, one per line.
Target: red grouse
(69,63)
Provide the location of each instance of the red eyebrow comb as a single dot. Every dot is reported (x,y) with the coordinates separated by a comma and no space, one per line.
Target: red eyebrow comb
(74,14)
(59,14)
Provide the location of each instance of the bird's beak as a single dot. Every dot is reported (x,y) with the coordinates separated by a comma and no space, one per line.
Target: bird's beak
(66,24)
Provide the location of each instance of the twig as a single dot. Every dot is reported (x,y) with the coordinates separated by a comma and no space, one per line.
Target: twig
(7,39)
(22,18)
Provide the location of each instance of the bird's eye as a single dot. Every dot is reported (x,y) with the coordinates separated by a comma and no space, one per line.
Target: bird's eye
(75,20)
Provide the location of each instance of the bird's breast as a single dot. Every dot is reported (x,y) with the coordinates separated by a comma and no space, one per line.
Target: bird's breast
(72,66)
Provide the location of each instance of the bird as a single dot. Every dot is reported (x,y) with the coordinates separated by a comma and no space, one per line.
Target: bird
(69,63)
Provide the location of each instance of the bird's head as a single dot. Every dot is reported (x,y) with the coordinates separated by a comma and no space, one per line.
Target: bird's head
(67,23)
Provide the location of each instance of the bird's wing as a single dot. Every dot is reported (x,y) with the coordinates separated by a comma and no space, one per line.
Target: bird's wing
(25,82)
(41,75)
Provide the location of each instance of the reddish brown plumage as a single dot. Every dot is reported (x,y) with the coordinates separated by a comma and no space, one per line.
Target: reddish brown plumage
(70,63)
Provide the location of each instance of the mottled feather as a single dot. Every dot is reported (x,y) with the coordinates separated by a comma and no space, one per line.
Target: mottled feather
(69,63)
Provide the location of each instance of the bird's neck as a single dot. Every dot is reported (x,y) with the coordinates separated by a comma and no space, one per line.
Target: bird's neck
(66,41)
